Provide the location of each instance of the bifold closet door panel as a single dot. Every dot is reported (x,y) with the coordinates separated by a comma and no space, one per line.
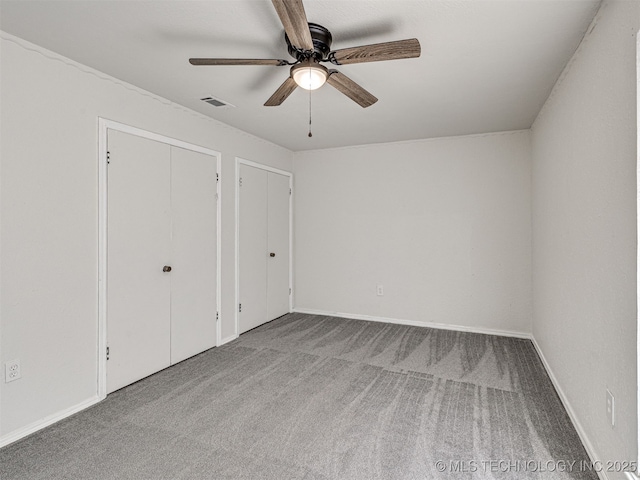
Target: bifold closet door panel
(193,273)
(252,255)
(139,246)
(278,245)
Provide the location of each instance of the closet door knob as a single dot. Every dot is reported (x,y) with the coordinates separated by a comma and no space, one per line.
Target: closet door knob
(272,254)
(166,268)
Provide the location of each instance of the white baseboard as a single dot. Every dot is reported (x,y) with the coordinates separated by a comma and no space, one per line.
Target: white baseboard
(414,323)
(230,338)
(45,422)
(572,415)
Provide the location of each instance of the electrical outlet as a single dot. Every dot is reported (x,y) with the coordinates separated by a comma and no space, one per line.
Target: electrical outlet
(380,290)
(611,408)
(12,371)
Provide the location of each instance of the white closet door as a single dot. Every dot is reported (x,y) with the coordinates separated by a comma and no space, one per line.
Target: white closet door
(193,274)
(278,245)
(252,255)
(139,246)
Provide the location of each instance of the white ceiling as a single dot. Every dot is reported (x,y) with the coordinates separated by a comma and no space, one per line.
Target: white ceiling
(486,66)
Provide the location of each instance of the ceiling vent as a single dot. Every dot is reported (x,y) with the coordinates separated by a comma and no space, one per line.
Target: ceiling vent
(216,102)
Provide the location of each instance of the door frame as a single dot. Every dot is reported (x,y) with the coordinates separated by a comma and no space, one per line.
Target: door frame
(104,125)
(636,475)
(241,161)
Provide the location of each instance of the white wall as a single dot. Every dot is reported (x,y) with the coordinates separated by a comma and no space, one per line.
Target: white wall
(584,231)
(444,225)
(49,113)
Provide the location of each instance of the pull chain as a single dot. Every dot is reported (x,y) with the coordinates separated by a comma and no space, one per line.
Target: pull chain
(310,134)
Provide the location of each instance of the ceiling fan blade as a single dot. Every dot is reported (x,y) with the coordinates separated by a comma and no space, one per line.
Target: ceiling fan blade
(351,89)
(377,52)
(282,93)
(294,20)
(237,61)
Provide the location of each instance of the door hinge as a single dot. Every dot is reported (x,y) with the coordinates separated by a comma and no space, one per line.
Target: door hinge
(217,177)
(239,307)
(289,191)
(289,291)
(108,157)
(240,181)
(217,316)
(107,353)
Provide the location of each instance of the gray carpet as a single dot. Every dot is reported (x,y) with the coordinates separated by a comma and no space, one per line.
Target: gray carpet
(310,397)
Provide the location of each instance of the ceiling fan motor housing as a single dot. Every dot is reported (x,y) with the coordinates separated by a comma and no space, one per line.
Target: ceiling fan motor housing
(321,44)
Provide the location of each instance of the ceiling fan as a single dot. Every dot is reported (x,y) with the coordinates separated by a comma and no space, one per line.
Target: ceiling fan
(310,44)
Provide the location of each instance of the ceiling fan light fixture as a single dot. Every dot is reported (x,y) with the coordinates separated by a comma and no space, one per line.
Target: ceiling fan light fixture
(309,75)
